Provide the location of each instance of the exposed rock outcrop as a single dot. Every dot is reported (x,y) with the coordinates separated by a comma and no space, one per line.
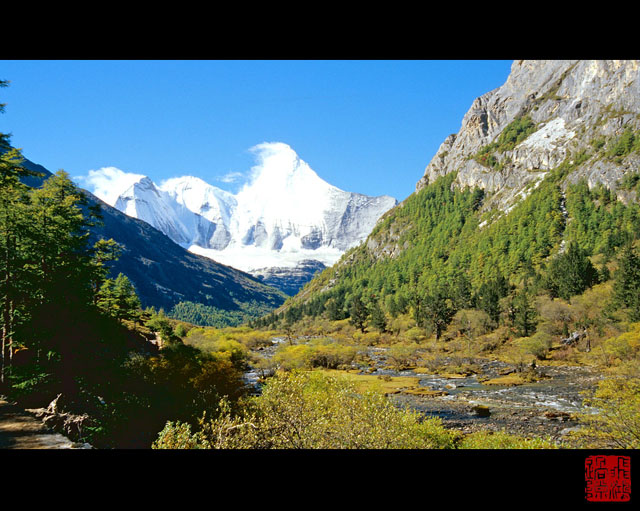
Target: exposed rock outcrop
(574,106)
(289,279)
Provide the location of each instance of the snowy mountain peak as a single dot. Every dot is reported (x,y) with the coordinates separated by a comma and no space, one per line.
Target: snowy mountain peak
(284,214)
(278,160)
(201,198)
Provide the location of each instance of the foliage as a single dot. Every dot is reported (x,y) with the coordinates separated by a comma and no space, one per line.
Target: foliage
(312,411)
(318,353)
(625,144)
(208,315)
(118,298)
(68,328)
(524,313)
(626,287)
(630,181)
(626,346)
(614,422)
(376,313)
(537,345)
(434,310)
(570,273)
(358,313)
(503,440)
(514,133)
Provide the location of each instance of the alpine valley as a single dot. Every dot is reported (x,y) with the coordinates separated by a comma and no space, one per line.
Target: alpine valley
(496,307)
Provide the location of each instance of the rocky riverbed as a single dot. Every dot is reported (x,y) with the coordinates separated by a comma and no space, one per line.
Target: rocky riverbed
(545,407)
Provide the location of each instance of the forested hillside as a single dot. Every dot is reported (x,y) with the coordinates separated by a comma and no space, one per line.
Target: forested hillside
(433,246)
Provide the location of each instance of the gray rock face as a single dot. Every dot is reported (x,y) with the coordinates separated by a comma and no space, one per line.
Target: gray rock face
(289,280)
(572,104)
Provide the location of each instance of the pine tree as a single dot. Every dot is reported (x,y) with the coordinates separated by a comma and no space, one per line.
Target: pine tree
(435,311)
(335,308)
(524,314)
(489,294)
(358,313)
(571,273)
(378,319)
(118,299)
(105,298)
(626,286)
(14,226)
(103,252)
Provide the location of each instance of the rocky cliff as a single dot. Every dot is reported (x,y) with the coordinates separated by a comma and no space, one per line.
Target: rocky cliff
(547,113)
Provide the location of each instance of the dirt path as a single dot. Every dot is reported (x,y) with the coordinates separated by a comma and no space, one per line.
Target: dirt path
(20,430)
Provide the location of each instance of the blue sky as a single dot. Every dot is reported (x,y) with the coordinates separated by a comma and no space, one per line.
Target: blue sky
(367,126)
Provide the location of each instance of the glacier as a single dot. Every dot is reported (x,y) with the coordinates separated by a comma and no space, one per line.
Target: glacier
(283,215)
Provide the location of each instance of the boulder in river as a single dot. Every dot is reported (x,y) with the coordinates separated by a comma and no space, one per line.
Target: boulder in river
(482,411)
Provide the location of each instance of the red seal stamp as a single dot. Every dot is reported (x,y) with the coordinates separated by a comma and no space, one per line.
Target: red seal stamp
(607,478)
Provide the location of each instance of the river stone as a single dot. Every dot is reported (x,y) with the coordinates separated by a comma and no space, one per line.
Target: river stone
(482,411)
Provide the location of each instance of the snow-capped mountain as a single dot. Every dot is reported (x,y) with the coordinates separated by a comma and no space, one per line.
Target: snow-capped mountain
(285,213)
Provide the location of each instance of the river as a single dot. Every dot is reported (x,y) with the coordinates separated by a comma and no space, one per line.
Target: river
(544,408)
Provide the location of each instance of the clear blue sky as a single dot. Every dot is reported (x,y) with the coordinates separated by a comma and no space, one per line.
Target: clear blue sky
(367,126)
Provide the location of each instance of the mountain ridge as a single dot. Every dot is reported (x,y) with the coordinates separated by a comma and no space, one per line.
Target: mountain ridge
(568,104)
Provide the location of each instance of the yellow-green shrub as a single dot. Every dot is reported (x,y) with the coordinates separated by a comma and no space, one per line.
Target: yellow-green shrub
(625,346)
(537,345)
(503,440)
(310,410)
(614,421)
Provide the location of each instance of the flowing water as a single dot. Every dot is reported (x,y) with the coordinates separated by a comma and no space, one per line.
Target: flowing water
(543,407)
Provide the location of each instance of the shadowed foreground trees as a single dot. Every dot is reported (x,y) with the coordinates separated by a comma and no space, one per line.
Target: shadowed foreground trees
(69,329)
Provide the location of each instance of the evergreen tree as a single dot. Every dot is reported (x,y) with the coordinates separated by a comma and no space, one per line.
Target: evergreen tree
(335,307)
(126,301)
(103,251)
(106,299)
(160,324)
(570,273)
(461,292)
(626,286)
(378,319)
(489,294)
(435,311)
(59,247)
(524,314)
(14,228)
(358,313)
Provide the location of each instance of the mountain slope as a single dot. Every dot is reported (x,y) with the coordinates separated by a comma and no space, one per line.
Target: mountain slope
(545,113)
(550,158)
(165,273)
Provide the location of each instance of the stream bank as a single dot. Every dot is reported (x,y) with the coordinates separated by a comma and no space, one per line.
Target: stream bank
(22,430)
